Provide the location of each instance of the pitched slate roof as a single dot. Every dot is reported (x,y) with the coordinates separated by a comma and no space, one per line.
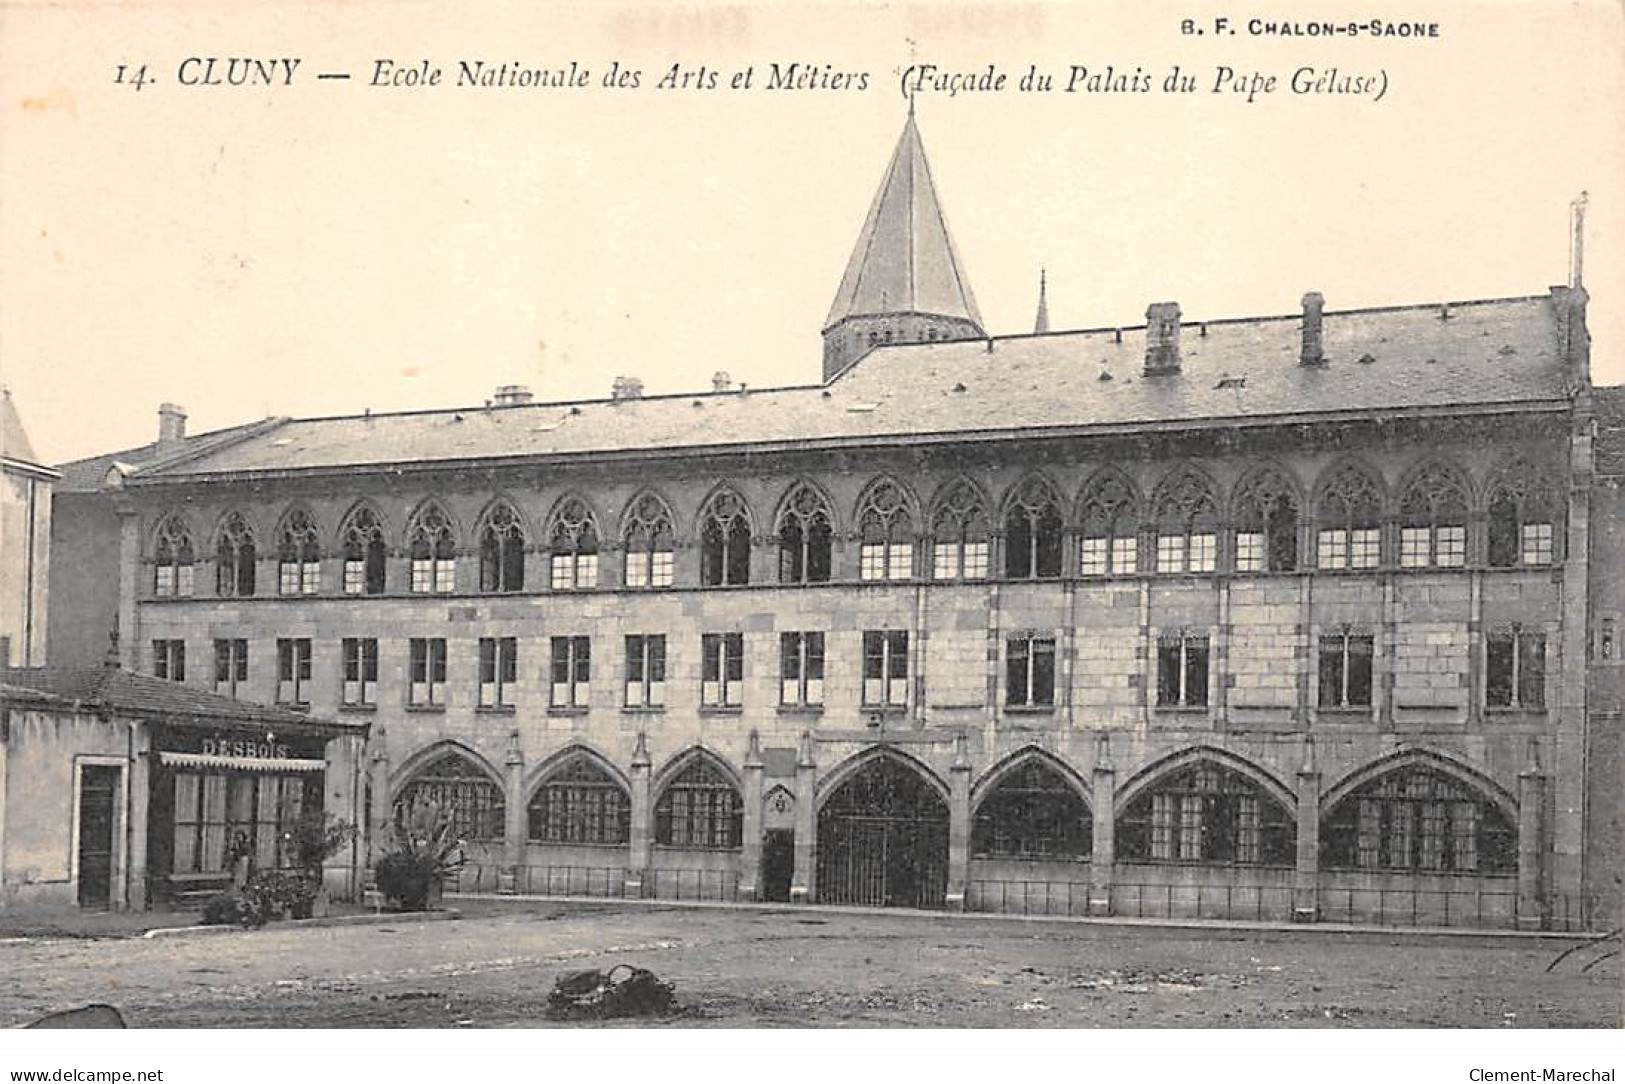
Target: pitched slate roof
(1488,355)
(87,475)
(904,260)
(119,692)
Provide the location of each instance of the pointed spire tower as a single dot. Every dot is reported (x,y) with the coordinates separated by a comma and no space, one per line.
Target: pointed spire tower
(904,282)
(1041,324)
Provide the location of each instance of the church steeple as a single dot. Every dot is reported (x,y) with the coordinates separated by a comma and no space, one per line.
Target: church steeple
(1041,324)
(904,282)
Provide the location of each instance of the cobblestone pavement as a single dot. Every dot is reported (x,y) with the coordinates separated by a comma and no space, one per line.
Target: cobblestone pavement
(494,967)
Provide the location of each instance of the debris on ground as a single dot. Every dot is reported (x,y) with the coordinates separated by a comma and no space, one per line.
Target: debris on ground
(86,1016)
(623,990)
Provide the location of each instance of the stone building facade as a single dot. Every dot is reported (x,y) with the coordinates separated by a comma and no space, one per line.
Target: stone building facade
(1283,617)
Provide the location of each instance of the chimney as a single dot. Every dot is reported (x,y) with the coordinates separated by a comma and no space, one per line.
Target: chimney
(1313,352)
(511,395)
(721,381)
(627,387)
(1162,338)
(171,425)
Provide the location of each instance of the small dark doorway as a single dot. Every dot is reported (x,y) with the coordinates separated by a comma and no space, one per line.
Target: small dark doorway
(98,790)
(778,864)
(883,840)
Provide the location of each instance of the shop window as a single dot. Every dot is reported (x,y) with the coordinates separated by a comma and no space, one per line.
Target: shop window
(885,669)
(502,550)
(805,537)
(293,672)
(299,555)
(1345,670)
(725,541)
(433,549)
(230,666)
(427,688)
(1207,814)
(650,544)
(1348,521)
(499,670)
(1029,671)
(1515,669)
(573,547)
(1032,532)
(580,803)
(218,816)
(360,672)
(1266,523)
(364,551)
(1032,812)
(886,533)
(1110,526)
(959,532)
(571,672)
(645,671)
(801,669)
(234,557)
(169,659)
(460,790)
(1186,518)
(173,560)
(722,669)
(1416,819)
(1433,520)
(700,808)
(1182,670)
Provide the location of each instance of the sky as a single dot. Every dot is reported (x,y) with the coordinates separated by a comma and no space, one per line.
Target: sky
(332,246)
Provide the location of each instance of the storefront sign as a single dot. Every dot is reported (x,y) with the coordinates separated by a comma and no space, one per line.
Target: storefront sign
(225,746)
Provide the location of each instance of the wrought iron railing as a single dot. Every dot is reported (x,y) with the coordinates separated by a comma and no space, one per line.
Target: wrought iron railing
(691,884)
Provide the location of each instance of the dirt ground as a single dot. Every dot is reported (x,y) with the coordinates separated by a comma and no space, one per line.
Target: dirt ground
(494,967)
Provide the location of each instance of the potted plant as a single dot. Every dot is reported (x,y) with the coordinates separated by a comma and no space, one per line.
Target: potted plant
(313,839)
(424,853)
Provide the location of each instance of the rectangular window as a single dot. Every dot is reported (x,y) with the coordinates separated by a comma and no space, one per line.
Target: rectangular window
(1345,671)
(945,561)
(299,577)
(645,569)
(499,670)
(1515,670)
(293,671)
(1204,555)
(163,584)
(1365,547)
(1162,826)
(230,666)
(645,671)
(801,669)
(1170,553)
(1332,551)
(575,571)
(1249,551)
(885,669)
(1125,555)
(360,671)
(432,575)
(1029,671)
(872,561)
(1094,556)
(900,561)
(355,577)
(975,565)
(1413,547)
(1537,543)
(428,684)
(169,659)
(722,662)
(637,569)
(1450,547)
(571,671)
(1182,665)
(1190,827)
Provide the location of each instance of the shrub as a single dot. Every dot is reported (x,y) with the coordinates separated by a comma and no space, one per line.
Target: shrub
(234,908)
(424,853)
(315,837)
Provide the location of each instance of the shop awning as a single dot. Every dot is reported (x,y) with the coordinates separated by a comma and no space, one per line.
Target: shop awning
(241,764)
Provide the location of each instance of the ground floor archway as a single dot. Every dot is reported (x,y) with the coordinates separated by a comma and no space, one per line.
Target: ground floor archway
(883,839)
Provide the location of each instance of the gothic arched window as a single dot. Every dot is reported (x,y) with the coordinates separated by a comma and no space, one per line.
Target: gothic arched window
(959,534)
(886,533)
(1348,520)
(433,548)
(1110,523)
(573,545)
(805,537)
(1265,518)
(580,803)
(1433,520)
(725,540)
(1032,531)
(1415,818)
(1523,516)
(234,558)
(502,549)
(700,809)
(1032,813)
(364,551)
(454,784)
(1210,814)
(298,555)
(1187,519)
(650,543)
(173,560)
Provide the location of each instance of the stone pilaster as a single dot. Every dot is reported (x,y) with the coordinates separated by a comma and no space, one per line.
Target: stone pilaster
(513,840)
(958,826)
(1531,842)
(1103,791)
(803,886)
(642,829)
(750,850)
(1306,881)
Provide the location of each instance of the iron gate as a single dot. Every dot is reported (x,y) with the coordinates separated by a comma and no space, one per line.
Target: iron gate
(883,840)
